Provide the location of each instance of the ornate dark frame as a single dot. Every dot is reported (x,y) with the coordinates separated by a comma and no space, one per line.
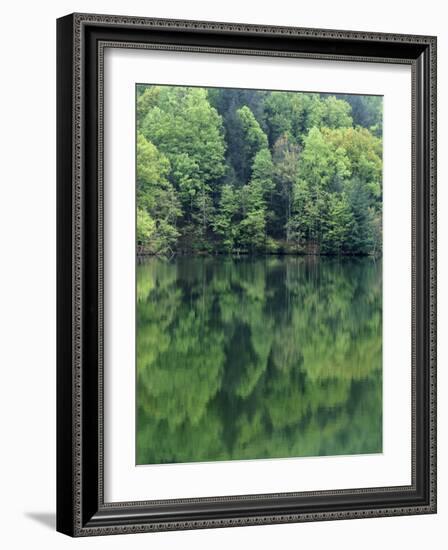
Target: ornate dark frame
(81,39)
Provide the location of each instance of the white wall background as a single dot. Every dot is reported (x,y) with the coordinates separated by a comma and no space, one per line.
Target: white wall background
(27,275)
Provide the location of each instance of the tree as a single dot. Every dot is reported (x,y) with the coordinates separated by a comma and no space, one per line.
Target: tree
(158,206)
(225,220)
(363,188)
(367,111)
(183,122)
(252,228)
(252,139)
(254,194)
(299,225)
(145,227)
(364,151)
(339,226)
(338,181)
(153,169)
(147,98)
(263,171)
(281,117)
(337,113)
(185,128)
(227,102)
(286,158)
(321,171)
(361,238)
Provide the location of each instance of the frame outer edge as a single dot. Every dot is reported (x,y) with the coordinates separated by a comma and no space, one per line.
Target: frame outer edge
(221,26)
(70,518)
(433,275)
(65,389)
(77,221)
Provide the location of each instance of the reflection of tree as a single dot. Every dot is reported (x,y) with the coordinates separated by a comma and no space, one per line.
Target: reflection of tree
(253,358)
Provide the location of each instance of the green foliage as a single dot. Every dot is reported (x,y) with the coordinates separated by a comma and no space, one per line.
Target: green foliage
(252,228)
(361,235)
(227,102)
(252,171)
(252,137)
(147,98)
(295,114)
(188,130)
(336,113)
(367,111)
(224,223)
(286,162)
(337,194)
(157,204)
(145,227)
(340,223)
(184,123)
(258,358)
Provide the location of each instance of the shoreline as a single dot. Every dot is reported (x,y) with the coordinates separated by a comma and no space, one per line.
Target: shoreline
(254,255)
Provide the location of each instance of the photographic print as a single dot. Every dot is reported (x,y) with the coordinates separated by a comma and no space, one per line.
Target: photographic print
(258,274)
(246,274)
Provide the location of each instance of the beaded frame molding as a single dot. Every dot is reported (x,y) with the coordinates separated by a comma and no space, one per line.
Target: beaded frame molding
(81,40)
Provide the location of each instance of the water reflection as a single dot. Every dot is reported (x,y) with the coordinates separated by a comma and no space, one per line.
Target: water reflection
(258,358)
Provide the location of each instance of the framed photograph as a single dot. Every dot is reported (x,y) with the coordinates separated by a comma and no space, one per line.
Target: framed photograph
(246,274)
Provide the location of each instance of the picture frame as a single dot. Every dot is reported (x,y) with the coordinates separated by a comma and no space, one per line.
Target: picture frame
(81,506)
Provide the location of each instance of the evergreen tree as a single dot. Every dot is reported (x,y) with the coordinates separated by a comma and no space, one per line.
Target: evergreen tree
(251,140)
(360,239)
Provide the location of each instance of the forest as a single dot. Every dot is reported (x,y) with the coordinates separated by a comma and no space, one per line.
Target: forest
(240,171)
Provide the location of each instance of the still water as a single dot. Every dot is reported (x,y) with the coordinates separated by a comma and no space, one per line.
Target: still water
(245,358)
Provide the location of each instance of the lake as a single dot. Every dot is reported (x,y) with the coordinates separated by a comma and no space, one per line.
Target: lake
(258,357)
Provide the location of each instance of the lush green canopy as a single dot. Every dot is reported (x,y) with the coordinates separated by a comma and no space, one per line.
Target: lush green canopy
(227,170)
